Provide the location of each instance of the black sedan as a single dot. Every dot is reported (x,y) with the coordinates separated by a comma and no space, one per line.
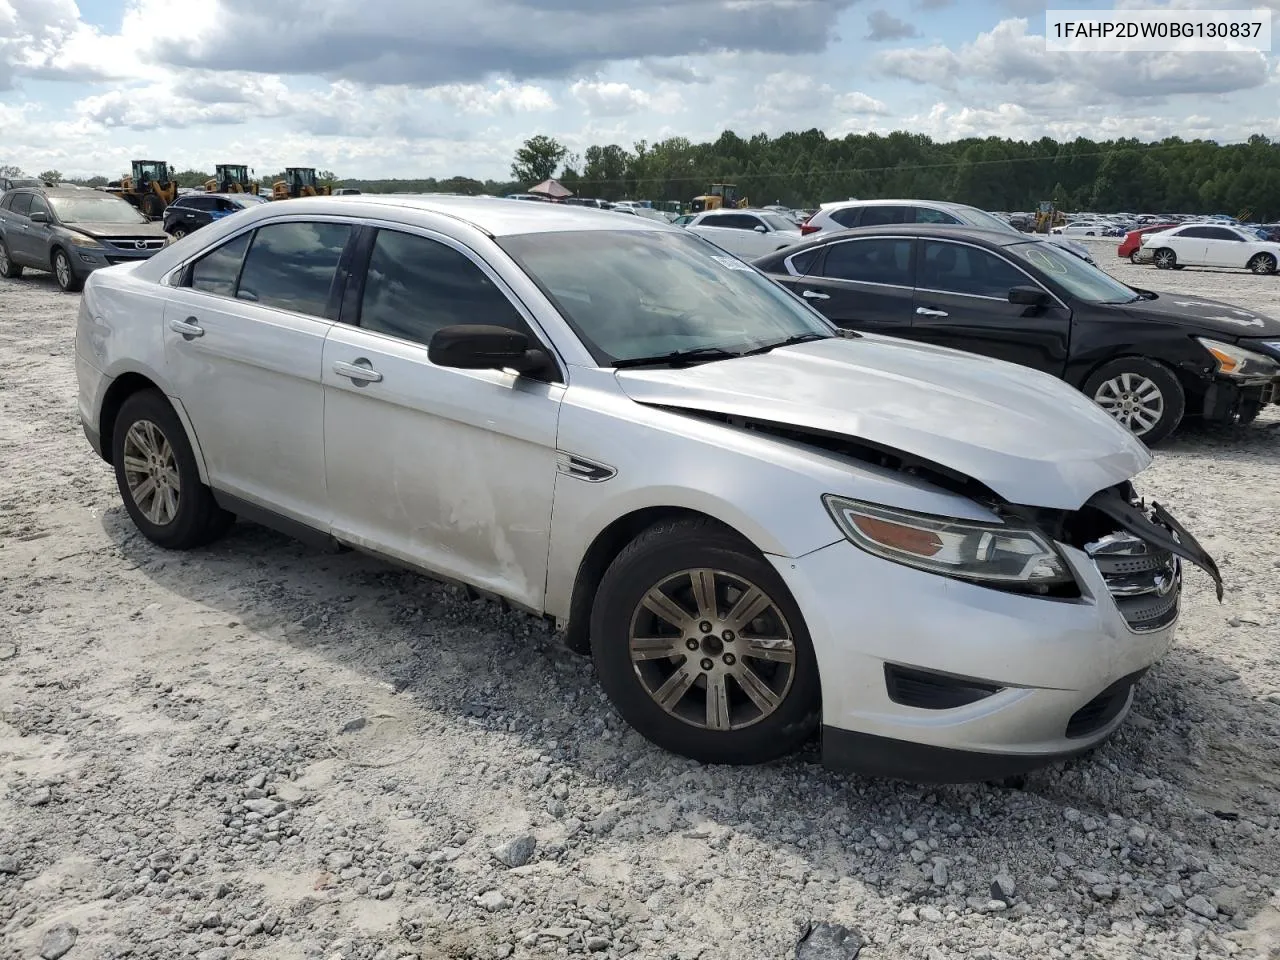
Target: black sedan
(191,211)
(1147,358)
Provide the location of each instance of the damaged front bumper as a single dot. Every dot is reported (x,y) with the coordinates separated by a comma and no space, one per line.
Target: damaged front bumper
(933,679)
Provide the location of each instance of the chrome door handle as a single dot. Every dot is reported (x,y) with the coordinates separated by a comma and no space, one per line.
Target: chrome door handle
(926,312)
(189,327)
(358,370)
(815,295)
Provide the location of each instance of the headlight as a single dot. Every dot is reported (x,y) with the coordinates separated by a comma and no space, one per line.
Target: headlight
(995,553)
(1239,363)
(83,240)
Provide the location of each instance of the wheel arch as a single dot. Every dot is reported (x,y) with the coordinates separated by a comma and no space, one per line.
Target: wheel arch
(122,388)
(602,551)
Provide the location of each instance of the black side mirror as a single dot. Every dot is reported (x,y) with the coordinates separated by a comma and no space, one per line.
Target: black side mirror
(39,216)
(476,347)
(1028,296)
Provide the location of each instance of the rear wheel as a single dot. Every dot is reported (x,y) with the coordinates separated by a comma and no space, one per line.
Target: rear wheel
(64,273)
(152,206)
(1166,259)
(1143,395)
(1263,263)
(8,269)
(701,647)
(158,478)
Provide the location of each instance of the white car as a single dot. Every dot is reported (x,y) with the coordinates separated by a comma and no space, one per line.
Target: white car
(1210,245)
(757,526)
(746,233)
(1086,228)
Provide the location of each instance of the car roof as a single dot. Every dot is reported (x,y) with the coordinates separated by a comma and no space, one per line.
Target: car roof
(496,216)
(913,202)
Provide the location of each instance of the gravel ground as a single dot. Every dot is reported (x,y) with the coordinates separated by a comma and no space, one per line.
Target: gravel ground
(258,750)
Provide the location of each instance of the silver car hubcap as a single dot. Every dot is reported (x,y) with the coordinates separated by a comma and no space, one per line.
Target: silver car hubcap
(712,649)
(1133,400)
(1163,259)
(63,268)
(4,261)
(1263,265)
(151,472)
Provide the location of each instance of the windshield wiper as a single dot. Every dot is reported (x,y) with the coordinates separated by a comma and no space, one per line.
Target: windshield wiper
(694,355)
(788,342)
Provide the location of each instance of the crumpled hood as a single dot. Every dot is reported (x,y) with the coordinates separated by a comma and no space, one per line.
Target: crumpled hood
(1026,435)
(154,229)
(1206,316)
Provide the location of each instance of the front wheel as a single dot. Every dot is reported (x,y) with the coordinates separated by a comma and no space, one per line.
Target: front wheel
(1166,259)
(178,233)
(65,275)
(701,648)
(1133,257)
(158,478)
(1263,263)
(1143,395)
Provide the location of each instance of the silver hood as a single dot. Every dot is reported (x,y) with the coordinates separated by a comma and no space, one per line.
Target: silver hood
(1026,435)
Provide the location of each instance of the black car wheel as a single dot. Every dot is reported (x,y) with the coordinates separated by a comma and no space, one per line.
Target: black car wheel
(158,477)
(64,273)
(701,648)
(1166,259)
(8,269)
(1263,263)
(1143,395)
(178,233)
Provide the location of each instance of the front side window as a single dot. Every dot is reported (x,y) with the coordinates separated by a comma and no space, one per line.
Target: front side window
(930,215)
(292,266)
(882,260)
(415,286)
(38,205)
(955,268)
(633,294)
(217,271)
(1078,278)
(1222,233)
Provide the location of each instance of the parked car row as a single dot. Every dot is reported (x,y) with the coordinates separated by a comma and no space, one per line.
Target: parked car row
(1207,245)
(704,481)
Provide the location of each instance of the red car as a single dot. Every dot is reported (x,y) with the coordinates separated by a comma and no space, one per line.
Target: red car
(1133,239)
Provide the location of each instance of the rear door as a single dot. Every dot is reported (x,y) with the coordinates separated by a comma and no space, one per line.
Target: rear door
(863,284)
(962,301)
(244,341)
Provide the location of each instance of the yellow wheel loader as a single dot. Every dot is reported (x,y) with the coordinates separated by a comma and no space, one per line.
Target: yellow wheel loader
(299,182)
(232,178)
(150,187)
(718,196)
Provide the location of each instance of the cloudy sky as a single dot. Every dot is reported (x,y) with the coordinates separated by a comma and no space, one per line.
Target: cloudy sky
(443,87)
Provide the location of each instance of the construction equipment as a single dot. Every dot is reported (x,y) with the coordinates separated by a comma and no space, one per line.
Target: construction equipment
(150,187)
(232,178)
(299,182)
(718,196)
(1048,216)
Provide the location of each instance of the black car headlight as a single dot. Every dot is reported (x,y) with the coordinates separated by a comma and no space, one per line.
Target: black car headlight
(997,554)
(1238,363)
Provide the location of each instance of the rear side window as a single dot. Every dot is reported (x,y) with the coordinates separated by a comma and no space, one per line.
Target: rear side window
(6,203)
(804,262)
(882,260)
(955,268)
(879,216)
(217,272)
(415,286)
(292,266)
(848,217)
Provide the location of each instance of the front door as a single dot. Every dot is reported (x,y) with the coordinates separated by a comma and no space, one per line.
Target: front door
(1224,248)
(863,284)
(26,240)
(962,301)
(244,340)
(449,470)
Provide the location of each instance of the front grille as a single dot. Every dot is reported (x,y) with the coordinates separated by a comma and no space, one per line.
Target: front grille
(933,691)
(131,243)
(1144,582)
(1103,708)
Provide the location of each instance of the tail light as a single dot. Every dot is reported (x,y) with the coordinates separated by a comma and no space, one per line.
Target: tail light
(808,228)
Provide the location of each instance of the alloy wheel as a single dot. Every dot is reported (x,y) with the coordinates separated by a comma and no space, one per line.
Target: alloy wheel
(4,259)
(712,649)
(179,233)
(1164,259)
(151,472)
(1133,400)
(62,269)
(1263,263)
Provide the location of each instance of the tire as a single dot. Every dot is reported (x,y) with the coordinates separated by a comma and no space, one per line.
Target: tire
(1143,395)
(64,273)
(769,712)
(178,233)
(1165,259)
(152,207)
(1263,263)
(148,433)
(8,269)
(1133,258)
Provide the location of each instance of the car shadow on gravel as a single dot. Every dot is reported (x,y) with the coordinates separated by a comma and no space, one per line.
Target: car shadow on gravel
(1182,763)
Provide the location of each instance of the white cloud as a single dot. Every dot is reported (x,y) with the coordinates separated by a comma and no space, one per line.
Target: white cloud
(606,99)
(857,102)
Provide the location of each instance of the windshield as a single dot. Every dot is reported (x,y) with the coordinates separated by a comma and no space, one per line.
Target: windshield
(246,199)
(95,210)
(641,293)
(980,218)
(1080,279)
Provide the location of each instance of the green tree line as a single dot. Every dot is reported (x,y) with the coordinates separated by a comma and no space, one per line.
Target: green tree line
(802,169)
